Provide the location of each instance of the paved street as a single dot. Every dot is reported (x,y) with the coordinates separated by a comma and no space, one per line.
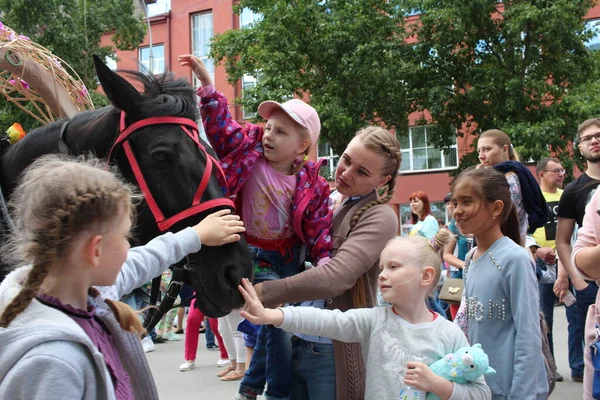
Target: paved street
(202,383)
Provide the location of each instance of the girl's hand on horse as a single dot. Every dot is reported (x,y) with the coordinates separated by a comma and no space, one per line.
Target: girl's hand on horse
(254,311)
(219,228)
(198,67)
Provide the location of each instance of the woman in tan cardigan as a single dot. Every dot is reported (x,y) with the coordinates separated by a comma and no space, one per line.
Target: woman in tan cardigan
(361,227)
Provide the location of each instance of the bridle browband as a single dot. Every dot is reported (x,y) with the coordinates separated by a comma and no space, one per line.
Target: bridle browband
(191,130)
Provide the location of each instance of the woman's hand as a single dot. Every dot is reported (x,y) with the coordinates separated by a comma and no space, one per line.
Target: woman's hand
(198,67)
(219,228)
(254,311)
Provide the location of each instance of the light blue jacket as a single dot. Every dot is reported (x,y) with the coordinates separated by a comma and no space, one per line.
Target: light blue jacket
(502,306)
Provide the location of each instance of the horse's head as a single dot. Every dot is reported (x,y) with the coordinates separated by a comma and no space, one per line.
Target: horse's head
(168,160)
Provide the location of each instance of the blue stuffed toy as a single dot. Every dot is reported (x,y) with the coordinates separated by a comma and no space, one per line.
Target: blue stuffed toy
(467,364)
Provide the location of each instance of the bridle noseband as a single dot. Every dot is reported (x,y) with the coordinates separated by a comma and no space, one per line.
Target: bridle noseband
(191,129)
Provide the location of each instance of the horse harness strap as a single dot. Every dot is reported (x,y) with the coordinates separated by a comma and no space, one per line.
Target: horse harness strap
(191,129)
(62,146)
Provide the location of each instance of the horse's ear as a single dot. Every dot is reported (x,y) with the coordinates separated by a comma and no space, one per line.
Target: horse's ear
(121,93)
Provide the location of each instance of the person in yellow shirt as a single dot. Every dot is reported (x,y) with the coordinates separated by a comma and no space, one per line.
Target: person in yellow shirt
(551,175)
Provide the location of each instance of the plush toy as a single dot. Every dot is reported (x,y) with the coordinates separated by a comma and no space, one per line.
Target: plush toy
(467,364)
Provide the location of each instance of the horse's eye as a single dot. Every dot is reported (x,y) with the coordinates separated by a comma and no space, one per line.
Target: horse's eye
(164,98)
(161,156)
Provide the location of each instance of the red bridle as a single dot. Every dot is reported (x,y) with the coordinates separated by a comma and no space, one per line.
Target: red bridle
(191,129)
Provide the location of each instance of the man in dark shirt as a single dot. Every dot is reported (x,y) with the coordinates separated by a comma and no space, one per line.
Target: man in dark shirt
(571,210)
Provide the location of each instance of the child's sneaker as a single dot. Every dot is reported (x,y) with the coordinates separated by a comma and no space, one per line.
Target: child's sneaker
(171,336)
(243,397)
(147,344)
(186,366)
(223,362)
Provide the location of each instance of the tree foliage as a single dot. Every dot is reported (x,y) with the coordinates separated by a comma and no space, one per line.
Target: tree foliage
(347,54)
(71,29)
(520,66)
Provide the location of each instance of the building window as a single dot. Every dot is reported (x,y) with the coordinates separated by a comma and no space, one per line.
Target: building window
(157,64)
(324,150)
(419,155)
(248,82)
(438,210)
(202,32)
(593,43)
(158,8)
(248,17)
(111,61)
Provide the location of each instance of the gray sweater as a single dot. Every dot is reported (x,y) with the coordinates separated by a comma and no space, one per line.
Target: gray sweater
(44,354)
(502,306)
(388,343)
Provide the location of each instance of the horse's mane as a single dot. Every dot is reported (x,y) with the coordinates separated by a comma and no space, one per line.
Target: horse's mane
(164,94)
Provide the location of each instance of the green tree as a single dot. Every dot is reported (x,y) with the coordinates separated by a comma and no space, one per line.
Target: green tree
(520,66)
(348,55)
(71,29)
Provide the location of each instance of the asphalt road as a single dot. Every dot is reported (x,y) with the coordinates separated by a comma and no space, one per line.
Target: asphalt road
(202,382)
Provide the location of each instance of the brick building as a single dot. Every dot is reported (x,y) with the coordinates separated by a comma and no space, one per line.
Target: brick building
(186,26)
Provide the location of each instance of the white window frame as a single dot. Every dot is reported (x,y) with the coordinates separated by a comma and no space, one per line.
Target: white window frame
(329,155)
(157,61)
(111,61)
(202,22)
(594,42)
(248,17)
(407,154)
(248,81)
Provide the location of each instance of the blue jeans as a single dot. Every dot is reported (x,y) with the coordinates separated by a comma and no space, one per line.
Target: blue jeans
(435,304)
(585,298)
(271,361)
(273,366)
(547,302)
(314,371)
(209,335)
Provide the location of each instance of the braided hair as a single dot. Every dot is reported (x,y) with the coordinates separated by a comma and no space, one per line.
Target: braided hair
(382,142)
(429,252)
(58,199)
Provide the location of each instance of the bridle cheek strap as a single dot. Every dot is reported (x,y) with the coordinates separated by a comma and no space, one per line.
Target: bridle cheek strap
(196,207)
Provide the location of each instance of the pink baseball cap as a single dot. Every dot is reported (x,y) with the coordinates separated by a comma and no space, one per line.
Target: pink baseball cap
(299,111)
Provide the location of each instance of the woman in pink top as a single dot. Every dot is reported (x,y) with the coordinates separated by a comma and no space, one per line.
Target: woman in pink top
(586,254)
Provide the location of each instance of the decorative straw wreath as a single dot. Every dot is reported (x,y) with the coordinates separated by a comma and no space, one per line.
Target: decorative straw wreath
(62,95)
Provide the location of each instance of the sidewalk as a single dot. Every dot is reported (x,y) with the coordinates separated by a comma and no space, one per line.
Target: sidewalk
(202,382)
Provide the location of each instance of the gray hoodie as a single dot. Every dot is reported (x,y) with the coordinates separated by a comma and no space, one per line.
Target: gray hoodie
(44,354)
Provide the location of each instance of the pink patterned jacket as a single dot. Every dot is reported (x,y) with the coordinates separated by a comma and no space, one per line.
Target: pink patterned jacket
(238,149)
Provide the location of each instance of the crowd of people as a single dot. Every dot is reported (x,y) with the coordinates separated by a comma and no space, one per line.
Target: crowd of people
(340,307)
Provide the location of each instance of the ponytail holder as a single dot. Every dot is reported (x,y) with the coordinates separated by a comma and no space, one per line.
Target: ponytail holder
(433,243)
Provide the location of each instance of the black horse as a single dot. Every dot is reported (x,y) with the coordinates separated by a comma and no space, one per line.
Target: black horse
(169,158)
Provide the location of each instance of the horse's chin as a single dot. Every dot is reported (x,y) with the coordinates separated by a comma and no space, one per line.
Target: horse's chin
(208,306)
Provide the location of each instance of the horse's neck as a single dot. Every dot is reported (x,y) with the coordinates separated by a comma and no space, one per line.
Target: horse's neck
(88,132)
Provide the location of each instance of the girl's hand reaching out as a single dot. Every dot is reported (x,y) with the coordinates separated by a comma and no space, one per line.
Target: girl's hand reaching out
(219,228)
(198,67)
(254,311)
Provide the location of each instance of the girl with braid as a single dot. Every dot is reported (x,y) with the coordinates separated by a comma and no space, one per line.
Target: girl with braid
(63,334)
(362,225)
